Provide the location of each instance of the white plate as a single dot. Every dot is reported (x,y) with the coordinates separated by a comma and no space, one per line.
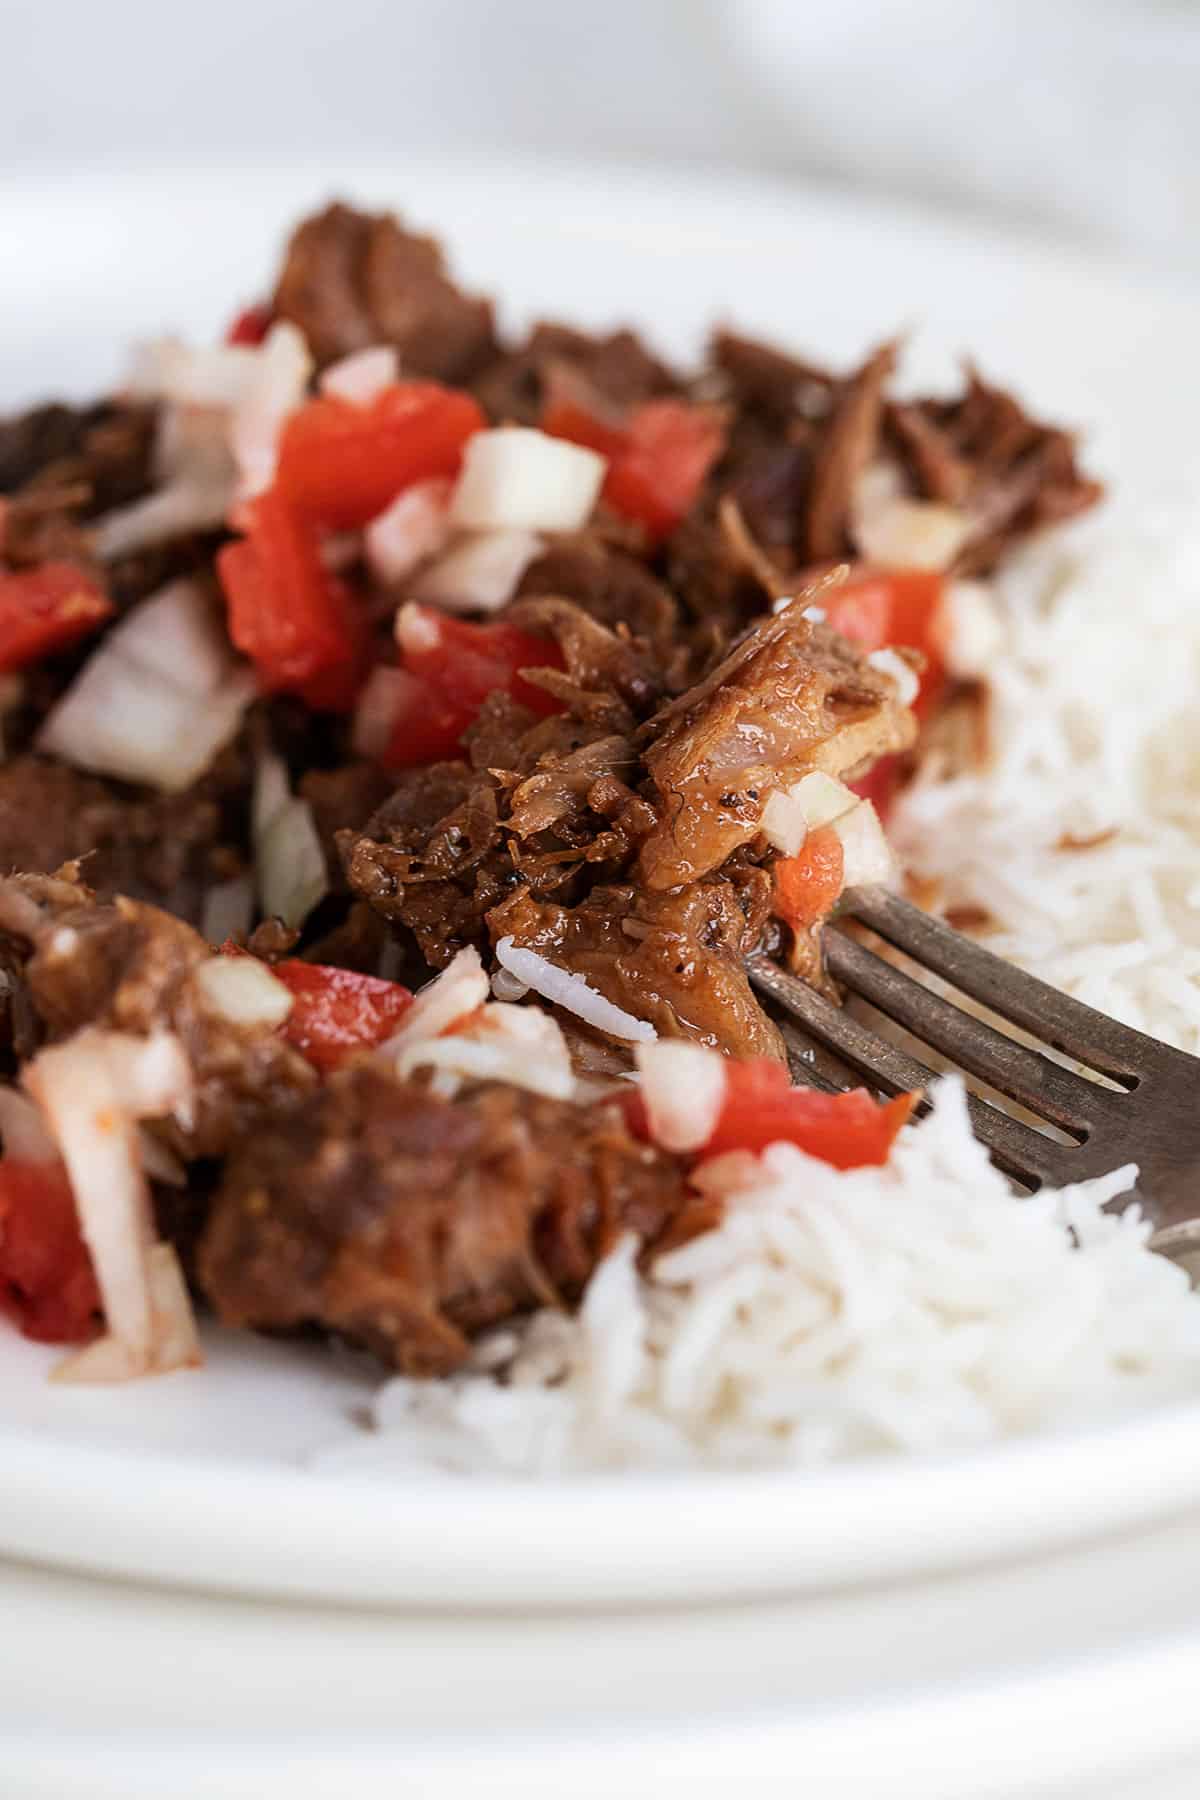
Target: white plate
(202,1478)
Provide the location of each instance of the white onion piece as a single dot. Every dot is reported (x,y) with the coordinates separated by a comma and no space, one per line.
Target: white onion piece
(92,1090)
(970,630)
(173,511)
(25,1135)
(522,479)
(899,672)
(386,692)
(683,1090)
(791,813)
(159,1162)
(288,858)
(275,387)
(243,990)
(572,992)
(901,533)
(480,575)
(460,989)
(168,369)
(417,629)
(195,473)
(157,700)
(362,376)
(413,528)
(495,1061)
(866,854)
(177,1341)
(228,909)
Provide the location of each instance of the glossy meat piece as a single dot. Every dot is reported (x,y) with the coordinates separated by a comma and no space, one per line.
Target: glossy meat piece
(411,1223)
(674,959)
(792,697)
(130,967)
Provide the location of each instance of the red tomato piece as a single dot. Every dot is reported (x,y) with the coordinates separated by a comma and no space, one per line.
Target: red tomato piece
(877,609)
(657,461)
(341,464)
(846,1130)
(250,326)
(46,608)
(880,785)
(807,884)
(47,1285)
(296,621)
(337,1011)
(453,674)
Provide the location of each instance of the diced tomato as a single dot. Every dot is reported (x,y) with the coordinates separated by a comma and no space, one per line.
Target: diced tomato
(880,785)
(250,326)
(807,884)
(877,609)
(47,1285)
(341,464)
(338,1010)
(762,1107)
(452,676)
(296,621)
(657,460)
(45,609)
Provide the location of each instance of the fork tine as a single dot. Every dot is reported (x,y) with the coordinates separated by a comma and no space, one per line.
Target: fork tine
(882,1063)
(1025,1075)
(1040,1009)
(1017,1149)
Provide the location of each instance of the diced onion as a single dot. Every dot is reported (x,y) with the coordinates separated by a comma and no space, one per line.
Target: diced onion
(228,909)
(288,858)
(386,692)
(417,629)
(275,387)
(971,630)
(898,532)
(158,699)
(480,575)
(413,528)
(360,377)
(790,814)
(168,369)
(866,854)
(92,1090)
(518,478)
(243,990)
(495,1061)
(572,992)
(460,989)
(901,673)
(683,1088)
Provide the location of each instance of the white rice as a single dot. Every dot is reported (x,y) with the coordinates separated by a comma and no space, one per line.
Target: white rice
(921,1306)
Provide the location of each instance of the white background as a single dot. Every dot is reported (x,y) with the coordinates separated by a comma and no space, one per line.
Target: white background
(1076,118)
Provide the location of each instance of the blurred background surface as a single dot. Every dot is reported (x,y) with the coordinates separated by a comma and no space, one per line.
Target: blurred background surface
(1075,118)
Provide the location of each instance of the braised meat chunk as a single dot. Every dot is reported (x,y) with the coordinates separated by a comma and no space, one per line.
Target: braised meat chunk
(411,1223)
(353,279)
(791,697)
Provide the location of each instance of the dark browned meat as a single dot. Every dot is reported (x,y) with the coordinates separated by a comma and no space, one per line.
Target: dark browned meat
(412,1223)
(168,848)
(607,374)
(353,279)
(131,967)
(983,452)
(674,959)
(61,467)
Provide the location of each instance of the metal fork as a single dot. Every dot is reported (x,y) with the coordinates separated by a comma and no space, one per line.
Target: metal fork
(1151,1116)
